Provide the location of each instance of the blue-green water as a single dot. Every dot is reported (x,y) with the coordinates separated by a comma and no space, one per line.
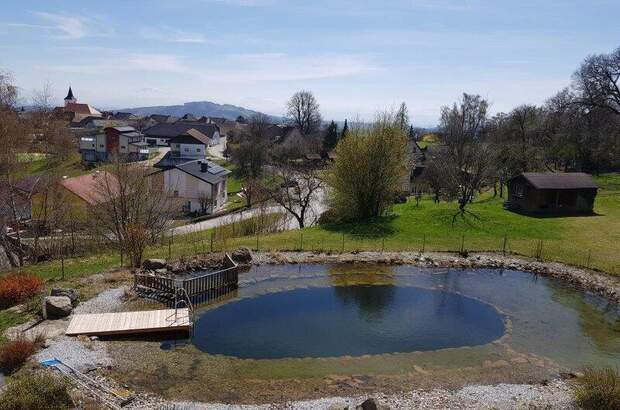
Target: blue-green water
(346,320)
(352,309)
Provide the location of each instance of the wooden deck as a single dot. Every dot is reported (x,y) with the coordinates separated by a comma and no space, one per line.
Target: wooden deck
(129,322)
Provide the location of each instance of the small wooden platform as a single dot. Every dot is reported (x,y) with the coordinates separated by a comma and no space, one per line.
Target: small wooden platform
(147,321)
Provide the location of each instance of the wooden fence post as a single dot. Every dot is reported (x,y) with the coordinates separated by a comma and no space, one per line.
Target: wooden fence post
(423,242)
(589,258)
(504,245)
(212,234)
(342,243)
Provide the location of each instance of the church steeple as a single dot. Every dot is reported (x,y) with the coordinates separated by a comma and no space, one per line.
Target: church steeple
(70,99)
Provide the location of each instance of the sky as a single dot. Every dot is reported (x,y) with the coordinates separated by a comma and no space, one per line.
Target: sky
(357,56)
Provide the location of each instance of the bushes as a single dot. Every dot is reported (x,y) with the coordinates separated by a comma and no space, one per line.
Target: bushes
(15,353)
(598,389)
(36,392)
(17,287)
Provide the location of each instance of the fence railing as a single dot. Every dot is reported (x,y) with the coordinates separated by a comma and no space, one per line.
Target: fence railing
(223,279)
(556,250)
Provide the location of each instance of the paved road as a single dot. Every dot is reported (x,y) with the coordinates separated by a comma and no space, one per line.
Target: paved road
(223,220)
(317,207)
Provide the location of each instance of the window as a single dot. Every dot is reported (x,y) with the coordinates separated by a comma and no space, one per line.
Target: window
(101,146)
(197,149)
(519,190)
(176,194)
(123,147)
(186,149)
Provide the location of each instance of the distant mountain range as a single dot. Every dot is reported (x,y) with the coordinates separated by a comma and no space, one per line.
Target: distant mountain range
(198,109)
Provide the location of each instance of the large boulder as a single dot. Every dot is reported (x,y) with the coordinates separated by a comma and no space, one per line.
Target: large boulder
(56,307)
(154,264)
(72,294)
(242,255)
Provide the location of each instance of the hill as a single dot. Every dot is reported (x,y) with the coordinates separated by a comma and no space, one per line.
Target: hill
(198,108)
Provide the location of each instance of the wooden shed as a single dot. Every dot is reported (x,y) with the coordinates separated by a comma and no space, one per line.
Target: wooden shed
(552,193)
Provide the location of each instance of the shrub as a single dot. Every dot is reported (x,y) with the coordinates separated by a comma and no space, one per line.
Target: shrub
(36,392)
(17,287)
(598,389)
(15,353)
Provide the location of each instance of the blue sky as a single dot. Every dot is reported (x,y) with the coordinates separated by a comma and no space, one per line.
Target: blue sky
(356,56)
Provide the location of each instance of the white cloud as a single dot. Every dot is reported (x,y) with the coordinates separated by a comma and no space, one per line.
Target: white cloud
(164,63)
(282,67)
(171,35)
(72,27)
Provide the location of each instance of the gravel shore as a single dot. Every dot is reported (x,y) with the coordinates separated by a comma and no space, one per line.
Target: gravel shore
(555,395)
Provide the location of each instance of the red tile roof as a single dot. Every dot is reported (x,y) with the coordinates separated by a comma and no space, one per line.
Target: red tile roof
(81,109)
(93,188)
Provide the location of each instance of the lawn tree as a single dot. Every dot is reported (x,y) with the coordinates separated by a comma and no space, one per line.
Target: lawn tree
(464,164)
(331,136)
(251,155)
(295,187)
(134,209)
(597,82)
(302,111)
(370,167)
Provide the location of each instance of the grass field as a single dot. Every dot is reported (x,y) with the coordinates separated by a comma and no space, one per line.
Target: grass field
(585,241)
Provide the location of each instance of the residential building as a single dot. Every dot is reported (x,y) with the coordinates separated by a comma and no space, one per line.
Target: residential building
(160,134)
(124,142)
(74,196)
(552,193)
(200,186)
(187,146)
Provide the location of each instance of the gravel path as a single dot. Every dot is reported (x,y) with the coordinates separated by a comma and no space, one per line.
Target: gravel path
(107,301)
(82,353)
(556,395)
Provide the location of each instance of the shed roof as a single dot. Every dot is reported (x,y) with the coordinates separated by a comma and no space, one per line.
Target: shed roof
(560,180)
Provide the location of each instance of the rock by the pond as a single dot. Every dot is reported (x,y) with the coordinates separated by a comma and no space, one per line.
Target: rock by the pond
(56,307)
(242,255)
(72,294)
(154,264)
(371,404)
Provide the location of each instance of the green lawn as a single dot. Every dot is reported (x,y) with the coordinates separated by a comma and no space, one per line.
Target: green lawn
(572,240)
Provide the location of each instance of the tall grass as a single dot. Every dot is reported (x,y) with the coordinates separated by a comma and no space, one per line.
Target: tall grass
(598,389)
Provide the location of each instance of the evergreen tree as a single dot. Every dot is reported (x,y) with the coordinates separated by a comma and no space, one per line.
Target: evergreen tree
(402,117)
(345,129)
(331,136)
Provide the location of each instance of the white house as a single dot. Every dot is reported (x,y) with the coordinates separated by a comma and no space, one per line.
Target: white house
(199,185)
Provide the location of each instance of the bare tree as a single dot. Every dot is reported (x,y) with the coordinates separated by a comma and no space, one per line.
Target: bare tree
(302,111)
(465,163)
(133,211)
(598,81)
(294,188)
(15,139)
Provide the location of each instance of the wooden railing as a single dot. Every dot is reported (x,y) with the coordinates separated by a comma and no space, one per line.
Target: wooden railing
(210,282)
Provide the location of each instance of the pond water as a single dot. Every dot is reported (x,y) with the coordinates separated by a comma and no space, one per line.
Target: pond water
(346,320)
(352,310)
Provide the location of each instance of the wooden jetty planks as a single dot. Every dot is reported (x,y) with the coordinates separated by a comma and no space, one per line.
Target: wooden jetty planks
(129,322)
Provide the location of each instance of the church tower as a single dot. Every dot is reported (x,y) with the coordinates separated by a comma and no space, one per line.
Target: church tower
(70,99)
